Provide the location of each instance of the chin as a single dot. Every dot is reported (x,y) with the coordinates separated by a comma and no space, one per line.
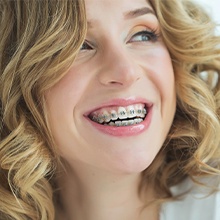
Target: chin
(134,164)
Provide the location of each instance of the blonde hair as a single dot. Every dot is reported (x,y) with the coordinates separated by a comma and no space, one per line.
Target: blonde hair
(192,148)
(39,40)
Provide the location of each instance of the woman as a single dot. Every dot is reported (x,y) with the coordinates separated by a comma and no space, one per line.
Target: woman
(112,121)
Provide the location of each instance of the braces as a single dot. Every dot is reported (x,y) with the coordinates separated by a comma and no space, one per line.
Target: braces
(113,117)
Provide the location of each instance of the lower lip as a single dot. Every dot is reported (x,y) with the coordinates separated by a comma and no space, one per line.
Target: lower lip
(130,130)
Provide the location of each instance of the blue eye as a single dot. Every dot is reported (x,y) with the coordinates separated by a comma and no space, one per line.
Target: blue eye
(85,46)
(143,36)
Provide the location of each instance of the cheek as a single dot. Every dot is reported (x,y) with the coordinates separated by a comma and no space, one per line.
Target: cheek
(162,76)
(166,83)
(159,70)
(62,99)
(165,79)
(69,90)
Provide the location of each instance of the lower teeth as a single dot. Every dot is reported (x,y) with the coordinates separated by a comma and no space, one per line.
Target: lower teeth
(124,123)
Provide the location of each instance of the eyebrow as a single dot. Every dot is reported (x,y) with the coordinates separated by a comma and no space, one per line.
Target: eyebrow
(138,12)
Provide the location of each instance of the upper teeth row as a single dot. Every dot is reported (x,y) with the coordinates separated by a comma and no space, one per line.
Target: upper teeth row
(122,113)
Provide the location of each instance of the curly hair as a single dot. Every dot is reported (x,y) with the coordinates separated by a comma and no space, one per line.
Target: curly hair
(39,41)
(192,148)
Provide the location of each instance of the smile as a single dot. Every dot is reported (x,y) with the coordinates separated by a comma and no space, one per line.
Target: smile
(120,116)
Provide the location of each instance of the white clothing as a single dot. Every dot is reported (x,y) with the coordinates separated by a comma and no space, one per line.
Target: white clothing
(196,204)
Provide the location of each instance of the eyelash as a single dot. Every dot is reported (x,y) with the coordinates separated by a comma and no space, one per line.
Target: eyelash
(152,35)
(86,46)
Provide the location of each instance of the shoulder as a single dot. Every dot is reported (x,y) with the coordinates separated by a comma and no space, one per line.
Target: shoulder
(197,201)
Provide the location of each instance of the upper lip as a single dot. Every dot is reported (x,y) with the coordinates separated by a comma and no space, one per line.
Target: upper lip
(120,102)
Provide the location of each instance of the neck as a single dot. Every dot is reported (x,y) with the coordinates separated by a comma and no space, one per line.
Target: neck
(91,194)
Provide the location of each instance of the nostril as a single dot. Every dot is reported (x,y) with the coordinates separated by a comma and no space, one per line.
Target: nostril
(115,82)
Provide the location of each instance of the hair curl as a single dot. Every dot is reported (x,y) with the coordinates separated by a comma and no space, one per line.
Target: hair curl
(192,148)
(39,41)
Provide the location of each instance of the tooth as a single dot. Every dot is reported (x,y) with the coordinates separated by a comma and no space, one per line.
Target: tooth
(106,116)
(138,120)
(124,123)
(135,121)
(138,111)
(114,115)
(130,111)
(100,119)
(130,122)
(95,118)
(112,124)
(122,114)
(118,123)
(143,113)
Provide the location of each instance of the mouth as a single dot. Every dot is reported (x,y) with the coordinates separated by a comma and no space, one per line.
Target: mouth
(120,116)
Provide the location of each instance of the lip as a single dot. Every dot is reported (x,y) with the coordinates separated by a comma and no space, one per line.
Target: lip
(130,130)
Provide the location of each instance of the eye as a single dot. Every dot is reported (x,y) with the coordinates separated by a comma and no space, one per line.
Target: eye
(144,36)
(86,46)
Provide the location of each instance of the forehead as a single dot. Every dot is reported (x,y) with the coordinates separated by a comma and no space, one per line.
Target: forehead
(107,10)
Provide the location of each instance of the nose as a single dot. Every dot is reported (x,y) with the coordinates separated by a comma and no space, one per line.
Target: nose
(118,68)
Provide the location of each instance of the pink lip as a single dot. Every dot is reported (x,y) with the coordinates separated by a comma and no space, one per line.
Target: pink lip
(126,130)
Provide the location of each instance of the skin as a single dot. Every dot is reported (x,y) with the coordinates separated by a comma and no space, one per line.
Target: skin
(103,171)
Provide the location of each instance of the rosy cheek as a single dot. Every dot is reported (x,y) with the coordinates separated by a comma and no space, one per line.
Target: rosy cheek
(163,78)
(71,85)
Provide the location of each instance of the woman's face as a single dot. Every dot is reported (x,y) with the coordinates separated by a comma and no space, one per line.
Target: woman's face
(114,108)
